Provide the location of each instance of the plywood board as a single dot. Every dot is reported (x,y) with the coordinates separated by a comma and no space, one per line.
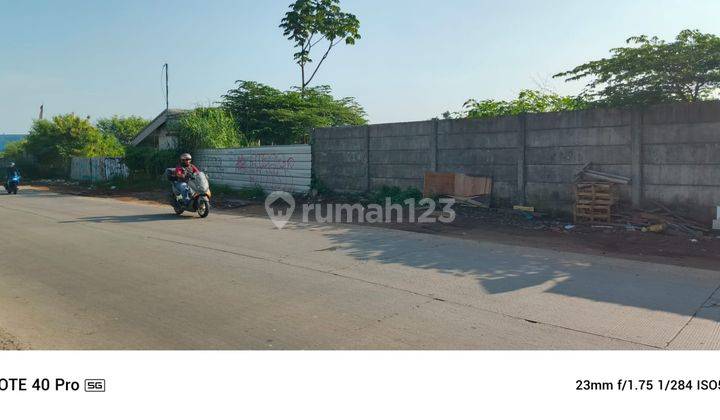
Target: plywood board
(439,183)
(471,186)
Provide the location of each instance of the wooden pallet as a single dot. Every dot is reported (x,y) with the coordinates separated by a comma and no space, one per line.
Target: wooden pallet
(594,201)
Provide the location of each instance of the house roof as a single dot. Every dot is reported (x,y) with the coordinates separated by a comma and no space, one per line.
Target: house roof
(157,123)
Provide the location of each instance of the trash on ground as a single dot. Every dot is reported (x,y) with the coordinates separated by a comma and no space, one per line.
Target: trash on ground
(524,208)
(472,201)
(657,228)
(661,215)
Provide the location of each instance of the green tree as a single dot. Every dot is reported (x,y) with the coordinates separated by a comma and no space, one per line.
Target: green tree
(651,71)
(271,116)
(212,128)
(14,150)
(528,101)
(311,22)
(122,128)
(54,142)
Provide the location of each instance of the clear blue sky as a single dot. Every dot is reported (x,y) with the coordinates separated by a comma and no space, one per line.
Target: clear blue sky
(417,58)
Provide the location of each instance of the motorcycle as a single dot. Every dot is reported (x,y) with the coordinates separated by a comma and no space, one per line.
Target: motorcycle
(11,186)
(199,194)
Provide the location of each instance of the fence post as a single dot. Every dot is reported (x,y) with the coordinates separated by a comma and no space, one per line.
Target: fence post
(434,146)
(636,123)
(313,159)
(367,158)
(521,164)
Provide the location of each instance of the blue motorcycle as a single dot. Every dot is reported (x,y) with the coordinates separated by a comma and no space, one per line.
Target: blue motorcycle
(11,186)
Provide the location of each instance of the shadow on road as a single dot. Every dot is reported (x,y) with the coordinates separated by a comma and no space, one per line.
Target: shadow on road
(133,218)
(499,269)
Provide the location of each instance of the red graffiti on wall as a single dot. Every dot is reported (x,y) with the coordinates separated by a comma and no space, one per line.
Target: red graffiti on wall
(265,168)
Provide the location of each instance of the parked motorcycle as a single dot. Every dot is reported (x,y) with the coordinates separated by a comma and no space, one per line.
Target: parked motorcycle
(199,194)
(11,186)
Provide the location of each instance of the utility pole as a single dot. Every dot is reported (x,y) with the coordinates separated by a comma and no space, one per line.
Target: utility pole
(167,89)
(41,111)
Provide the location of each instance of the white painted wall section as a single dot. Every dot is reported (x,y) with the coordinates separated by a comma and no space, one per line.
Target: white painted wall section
(274,168)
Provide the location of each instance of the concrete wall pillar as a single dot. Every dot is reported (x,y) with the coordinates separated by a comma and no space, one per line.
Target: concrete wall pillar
(636,191)
(366,181)
(433,152)
(521,163)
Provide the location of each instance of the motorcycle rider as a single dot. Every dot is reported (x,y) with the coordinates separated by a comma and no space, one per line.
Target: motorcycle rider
(184,171)
(12,171)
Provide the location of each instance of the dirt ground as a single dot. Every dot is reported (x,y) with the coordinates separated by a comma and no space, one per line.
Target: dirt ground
(9,342)
(506,227)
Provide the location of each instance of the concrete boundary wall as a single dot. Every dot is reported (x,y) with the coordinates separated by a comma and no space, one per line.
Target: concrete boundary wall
(97,169)
(671,152)
(283,168)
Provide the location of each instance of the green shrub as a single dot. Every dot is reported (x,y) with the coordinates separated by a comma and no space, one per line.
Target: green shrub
(207,128)
(528,101)
(272,116)
(318,185)
(147,162)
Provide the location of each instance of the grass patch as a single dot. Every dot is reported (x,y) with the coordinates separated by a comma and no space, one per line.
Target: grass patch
(396,195)
(130,184)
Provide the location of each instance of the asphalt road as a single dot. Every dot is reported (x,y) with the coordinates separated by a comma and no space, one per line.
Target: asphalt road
(94,273)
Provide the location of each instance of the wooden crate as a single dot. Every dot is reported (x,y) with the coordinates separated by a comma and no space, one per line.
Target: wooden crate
(594,201)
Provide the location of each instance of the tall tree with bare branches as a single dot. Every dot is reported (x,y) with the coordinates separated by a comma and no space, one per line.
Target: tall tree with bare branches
(317,23)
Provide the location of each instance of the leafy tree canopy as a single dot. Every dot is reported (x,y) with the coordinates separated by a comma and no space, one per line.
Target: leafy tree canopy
(528,101)
(122,128)
(272,116)
(311,22)
(651,71)
(14,149)
(54,142)
(212,128)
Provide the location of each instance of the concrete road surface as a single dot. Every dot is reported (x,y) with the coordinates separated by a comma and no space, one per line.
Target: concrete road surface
(93,273)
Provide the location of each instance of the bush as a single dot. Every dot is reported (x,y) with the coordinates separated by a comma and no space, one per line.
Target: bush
(318,185)
(528,101)
(148,162)
(272,116)
(207,128)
